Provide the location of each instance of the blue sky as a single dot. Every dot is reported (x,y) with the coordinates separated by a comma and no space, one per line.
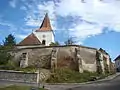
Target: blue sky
(93,23)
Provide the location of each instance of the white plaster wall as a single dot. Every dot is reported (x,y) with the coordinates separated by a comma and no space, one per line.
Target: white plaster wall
(49,36)
(89,67)
(117,63)
(88,55)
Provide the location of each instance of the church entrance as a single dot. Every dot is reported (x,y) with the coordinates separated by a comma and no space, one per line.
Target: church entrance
(43,42)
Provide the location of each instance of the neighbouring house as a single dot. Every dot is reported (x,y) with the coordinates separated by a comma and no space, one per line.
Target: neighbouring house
(34,50)
(117,63)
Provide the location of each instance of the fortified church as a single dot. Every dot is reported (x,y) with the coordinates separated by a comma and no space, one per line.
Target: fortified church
(35,49)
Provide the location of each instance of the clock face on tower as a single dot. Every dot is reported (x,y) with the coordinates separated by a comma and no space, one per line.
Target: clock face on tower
(43,36)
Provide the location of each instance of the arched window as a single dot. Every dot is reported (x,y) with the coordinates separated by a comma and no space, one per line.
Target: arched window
(43,42)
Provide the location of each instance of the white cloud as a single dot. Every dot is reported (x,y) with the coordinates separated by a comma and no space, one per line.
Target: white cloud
(30,21)
(20,36)
(28,30)
(104,13)
(100,14)
(12,28)
(12,3)
(35,15)
(95,15)
(5,24)
(49,8)
(23,8)
(85,30)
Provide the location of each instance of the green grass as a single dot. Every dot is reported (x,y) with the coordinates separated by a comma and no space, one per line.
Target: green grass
(71,76)
(27,69)
(14,87)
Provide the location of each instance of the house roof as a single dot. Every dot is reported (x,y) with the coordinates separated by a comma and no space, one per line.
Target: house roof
(45,26)
(118,57)
(30,40)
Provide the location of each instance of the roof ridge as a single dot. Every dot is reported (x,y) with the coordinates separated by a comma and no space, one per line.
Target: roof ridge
(30,39)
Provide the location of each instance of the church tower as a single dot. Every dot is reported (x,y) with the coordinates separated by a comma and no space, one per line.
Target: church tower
(42,36)
(45,33)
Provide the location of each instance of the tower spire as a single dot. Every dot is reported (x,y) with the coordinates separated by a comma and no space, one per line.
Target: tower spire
(45,26)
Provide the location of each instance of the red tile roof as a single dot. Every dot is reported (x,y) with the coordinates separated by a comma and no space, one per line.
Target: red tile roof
(45,26)
(30,40)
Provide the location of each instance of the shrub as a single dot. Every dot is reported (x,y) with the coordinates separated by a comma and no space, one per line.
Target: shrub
(4,57)
(70,76)
(54,44)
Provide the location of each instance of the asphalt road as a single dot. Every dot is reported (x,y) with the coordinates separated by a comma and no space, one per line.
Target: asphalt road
(104,85)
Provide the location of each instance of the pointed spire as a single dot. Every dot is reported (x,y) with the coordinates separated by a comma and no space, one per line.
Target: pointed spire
(45,26)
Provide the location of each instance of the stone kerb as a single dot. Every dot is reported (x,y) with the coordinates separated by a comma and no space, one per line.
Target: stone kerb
(19,76)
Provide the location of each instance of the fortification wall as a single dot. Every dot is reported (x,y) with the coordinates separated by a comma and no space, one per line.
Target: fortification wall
(66,56)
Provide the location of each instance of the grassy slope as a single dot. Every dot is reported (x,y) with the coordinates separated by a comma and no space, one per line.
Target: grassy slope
(70,76)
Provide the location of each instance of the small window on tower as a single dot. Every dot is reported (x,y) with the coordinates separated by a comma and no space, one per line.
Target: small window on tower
(43,36)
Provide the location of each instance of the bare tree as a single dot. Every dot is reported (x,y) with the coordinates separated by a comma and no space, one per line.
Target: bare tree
(70,41)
